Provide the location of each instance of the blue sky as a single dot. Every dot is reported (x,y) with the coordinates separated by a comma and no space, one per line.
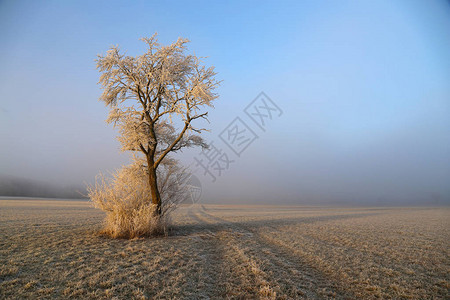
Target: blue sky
(364,87)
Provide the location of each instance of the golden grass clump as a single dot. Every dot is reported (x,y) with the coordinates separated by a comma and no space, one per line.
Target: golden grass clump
(138,222)
(126,199)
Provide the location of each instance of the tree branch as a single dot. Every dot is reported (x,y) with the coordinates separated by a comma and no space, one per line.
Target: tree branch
(168,149)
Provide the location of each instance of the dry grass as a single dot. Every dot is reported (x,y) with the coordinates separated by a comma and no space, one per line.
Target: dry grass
(50,249)
(125,198)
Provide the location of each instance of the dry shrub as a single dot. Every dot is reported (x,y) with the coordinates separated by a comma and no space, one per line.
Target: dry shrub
(125,197)
(141,221)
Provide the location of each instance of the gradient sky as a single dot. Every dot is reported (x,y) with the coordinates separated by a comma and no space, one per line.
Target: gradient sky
(364,87)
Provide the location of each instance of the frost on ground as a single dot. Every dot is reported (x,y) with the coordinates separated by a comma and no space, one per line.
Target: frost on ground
(50,249)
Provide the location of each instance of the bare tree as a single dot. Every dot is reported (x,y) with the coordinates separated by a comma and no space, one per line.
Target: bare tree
(148,93)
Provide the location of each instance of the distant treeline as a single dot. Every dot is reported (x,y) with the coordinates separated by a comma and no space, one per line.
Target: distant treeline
(14,186)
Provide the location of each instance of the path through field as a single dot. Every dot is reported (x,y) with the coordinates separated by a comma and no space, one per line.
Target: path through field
(253,264)
(310,252)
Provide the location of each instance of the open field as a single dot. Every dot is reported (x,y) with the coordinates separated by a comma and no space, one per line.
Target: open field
(50,249)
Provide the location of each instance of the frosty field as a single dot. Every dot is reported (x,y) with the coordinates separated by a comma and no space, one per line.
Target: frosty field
(50,249)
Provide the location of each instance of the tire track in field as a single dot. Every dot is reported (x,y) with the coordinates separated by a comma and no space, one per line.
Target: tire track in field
(283,274)
(225,264)
(211,252)
(276,272)
(235,279)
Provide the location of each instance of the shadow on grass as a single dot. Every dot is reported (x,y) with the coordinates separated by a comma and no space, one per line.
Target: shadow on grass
(220,224)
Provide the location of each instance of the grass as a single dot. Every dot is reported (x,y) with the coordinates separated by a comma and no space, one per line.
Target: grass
(52,249)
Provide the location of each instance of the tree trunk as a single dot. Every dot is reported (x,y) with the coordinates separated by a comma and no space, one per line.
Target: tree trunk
(152,180)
